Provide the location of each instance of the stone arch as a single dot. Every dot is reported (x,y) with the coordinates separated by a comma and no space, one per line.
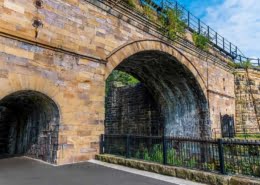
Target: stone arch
(22,82)
(29,125)
(173,81)
(129,49)
(44,100)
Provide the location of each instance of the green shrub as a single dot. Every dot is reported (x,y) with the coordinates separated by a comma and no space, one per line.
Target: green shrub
(246,64)
(131,3)
(149,12)
(200,41)
(171,24)
(233,64)
(120,77)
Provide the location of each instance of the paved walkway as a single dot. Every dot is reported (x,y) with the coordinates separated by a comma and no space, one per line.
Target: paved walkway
(24,171)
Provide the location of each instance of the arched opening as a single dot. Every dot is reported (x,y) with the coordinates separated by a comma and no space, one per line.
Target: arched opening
(29,125)
(179,101)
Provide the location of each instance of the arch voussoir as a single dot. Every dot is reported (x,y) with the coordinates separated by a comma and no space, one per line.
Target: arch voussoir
(127,50)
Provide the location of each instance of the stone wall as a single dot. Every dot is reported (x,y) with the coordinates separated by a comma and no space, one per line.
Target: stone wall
(79,44)
(247,101)
(76,86)
(132,110)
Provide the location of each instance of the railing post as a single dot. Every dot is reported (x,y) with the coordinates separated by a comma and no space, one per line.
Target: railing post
(127,154)
(162,4)
(164,150)
(221,156)
(223,43)
(188,18)
(208,33)
(102,144)
(258,62)
(199,25)
(176,8)
(216,38)
(230,48)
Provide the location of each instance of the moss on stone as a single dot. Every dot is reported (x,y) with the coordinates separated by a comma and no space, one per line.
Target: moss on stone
(188,174)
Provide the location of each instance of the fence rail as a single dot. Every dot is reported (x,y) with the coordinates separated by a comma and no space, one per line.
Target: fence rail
(226,156)
(195,24)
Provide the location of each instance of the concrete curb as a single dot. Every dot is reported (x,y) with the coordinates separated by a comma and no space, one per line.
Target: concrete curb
(188,174)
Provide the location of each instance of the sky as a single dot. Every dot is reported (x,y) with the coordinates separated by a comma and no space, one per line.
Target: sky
(236,20)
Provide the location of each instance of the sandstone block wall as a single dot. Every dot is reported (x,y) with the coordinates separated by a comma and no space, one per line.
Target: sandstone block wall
(76,86)
(80,43)
(247,101)
(132,110)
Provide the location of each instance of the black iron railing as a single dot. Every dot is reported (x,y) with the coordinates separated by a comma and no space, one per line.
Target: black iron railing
(195,24)
(225,156)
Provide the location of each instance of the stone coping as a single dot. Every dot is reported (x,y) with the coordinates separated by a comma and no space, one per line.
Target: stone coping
(184,173)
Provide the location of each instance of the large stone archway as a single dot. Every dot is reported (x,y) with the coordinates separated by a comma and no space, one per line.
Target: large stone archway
(172,80)
(121,53)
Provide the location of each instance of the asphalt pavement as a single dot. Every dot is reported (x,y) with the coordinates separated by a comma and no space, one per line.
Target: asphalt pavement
(24,171)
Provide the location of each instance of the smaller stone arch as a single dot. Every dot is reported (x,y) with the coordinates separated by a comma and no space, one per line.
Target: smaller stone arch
(29,125)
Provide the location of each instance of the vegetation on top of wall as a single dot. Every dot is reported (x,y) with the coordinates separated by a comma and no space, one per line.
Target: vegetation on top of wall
(244,64)
(131,3)
(171,24)
(121,78)
(200,41)
(149,12)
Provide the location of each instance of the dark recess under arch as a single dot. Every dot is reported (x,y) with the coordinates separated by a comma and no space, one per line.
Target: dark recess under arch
(29,125)
(181,100)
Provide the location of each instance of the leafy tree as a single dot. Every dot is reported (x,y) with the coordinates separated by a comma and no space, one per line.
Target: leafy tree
(120,77)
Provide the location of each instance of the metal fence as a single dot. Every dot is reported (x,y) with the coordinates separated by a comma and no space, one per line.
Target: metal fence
(225,156)
(195,24)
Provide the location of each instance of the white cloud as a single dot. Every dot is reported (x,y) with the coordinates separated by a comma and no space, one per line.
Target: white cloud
(239,22)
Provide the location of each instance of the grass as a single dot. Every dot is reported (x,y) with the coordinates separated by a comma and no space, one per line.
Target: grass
(236,162)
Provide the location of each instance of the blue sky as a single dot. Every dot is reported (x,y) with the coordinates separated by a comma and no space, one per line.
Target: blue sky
(236,20)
